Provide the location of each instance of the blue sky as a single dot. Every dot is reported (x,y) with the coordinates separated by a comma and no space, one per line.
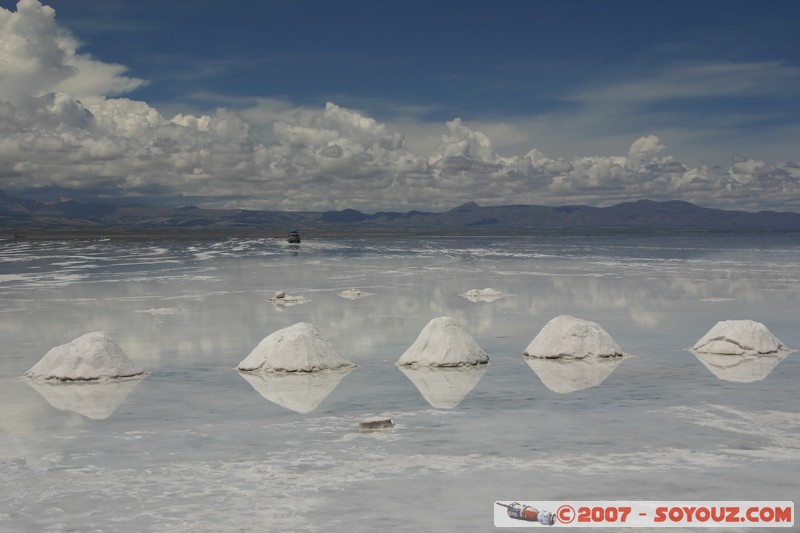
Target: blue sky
(378,105)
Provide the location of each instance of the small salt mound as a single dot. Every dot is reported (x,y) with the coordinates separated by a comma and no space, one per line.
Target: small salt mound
(739,337)
(444,343)
(567,336)
(483,295)
(92,356)
(297,348)
(351,294)
(281,299)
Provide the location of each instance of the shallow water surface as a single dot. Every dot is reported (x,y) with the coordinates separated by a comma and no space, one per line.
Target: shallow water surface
(196,446)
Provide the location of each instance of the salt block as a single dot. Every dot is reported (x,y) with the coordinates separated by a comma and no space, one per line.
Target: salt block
(93,356)
(570,337)
(376,423)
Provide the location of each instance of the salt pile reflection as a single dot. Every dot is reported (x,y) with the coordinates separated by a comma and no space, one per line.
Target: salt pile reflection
(96,400)
(301,392)
(570,375)
(740,368)
(444,388)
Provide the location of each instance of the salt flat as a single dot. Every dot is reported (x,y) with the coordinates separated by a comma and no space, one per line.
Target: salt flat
(194,446)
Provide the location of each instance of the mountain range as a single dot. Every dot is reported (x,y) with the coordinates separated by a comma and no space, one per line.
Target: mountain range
(20,215)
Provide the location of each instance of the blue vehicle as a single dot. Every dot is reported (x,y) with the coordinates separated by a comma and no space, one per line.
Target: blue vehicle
(294,236)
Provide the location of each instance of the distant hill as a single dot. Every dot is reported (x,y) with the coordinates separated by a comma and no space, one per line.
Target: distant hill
(18,215)
(644,214)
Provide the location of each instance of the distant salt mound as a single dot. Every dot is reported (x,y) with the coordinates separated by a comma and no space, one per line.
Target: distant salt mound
(352,294)
(281,299)
(443,343)
(297,348)
(569,337)
(93,356)
(483,295)
(739,337)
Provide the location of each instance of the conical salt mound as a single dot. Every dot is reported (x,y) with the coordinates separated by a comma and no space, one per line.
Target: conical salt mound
(444,343)
(739,337)
(92,356)
(570,337)
(297,348)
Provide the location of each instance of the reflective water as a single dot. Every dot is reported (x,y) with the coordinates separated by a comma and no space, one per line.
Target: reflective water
(195,446)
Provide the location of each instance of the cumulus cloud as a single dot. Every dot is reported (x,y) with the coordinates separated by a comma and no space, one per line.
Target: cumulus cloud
(63,125)
(38,56)
(645,148)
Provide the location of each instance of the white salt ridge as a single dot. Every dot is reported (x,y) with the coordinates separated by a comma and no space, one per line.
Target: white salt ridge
(160,311)
(483,295)
(93,356)
(739,337)
(297,348)
(444,343)
(570,337)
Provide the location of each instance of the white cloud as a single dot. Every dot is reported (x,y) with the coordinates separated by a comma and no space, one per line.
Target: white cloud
(645,148)
(339,158)
(74,134)
(691,80)
(37,56)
